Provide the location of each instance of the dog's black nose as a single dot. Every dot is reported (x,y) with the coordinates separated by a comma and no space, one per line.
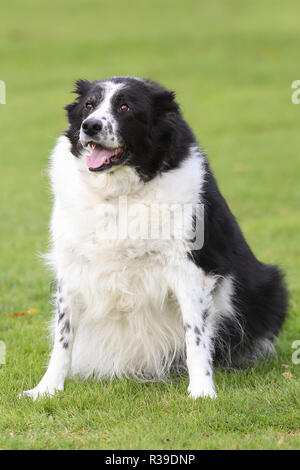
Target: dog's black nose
(91,126)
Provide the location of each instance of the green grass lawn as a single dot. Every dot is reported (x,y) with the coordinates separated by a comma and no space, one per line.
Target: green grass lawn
(232,64)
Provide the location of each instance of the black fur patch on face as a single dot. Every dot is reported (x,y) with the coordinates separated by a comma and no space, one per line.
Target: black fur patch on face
(154,133)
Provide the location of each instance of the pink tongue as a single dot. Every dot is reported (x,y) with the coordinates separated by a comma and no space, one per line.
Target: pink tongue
(98,156)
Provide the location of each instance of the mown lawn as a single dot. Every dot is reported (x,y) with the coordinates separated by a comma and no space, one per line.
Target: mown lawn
(232,64)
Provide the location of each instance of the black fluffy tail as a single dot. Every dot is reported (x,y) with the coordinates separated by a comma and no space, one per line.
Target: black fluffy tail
(261,308)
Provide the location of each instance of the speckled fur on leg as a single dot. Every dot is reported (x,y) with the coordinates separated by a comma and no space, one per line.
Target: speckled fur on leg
(61,355)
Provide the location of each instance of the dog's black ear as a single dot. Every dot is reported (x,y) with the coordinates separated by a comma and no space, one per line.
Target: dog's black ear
(81,88)
(164,102)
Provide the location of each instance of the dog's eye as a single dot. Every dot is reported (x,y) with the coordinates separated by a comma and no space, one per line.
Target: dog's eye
(89,106)
(124,108)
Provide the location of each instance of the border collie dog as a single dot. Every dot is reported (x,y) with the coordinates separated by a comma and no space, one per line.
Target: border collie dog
(144,306)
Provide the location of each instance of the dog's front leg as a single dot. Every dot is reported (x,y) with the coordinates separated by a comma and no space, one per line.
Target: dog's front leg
(61,356)
(195,301)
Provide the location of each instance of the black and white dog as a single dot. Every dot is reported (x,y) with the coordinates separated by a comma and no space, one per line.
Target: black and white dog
(140,305)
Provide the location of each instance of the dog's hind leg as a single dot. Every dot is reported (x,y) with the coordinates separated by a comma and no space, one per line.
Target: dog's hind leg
(194,296)
(61,356)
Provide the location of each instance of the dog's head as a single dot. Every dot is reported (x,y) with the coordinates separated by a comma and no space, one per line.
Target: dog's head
(127,121)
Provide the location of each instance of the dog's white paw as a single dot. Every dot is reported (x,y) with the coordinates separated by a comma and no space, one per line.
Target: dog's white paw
(201,391)
(40,391)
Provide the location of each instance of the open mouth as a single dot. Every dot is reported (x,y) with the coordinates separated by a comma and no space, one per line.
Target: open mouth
(102,158)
